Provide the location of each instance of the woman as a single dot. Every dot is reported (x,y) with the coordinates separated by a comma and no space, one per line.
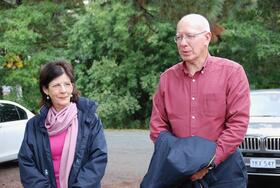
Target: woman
(64,146)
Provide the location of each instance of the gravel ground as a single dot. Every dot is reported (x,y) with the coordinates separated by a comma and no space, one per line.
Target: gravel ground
(129,156)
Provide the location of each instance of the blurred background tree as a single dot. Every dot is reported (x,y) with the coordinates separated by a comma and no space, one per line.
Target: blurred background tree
(32,32)
(119,48)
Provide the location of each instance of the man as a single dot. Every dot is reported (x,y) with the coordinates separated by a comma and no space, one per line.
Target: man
(204,96)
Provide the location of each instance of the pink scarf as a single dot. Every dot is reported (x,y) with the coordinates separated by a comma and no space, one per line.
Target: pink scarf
(56,123)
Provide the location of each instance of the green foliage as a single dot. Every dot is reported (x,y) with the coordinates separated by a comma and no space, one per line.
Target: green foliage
(120,57)
(119,48)
(214,10)
(30,34)
(103,83)
(256,48)
(270,13)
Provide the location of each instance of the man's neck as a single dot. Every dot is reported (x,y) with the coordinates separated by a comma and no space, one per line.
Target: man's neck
(195,66)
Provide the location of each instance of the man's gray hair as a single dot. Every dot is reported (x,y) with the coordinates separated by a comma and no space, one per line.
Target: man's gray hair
(197,19)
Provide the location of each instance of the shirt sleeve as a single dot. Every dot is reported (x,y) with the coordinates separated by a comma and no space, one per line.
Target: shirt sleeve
(237,115)
(159,120)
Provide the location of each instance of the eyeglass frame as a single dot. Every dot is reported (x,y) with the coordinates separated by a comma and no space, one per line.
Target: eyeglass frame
(188,36)
(58,86)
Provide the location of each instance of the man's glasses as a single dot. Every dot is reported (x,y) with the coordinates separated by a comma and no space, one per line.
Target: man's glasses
(188,36)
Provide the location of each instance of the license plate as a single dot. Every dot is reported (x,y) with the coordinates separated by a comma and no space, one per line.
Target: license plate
(262,163)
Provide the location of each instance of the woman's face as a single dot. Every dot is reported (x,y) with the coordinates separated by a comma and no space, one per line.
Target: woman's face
(60,91)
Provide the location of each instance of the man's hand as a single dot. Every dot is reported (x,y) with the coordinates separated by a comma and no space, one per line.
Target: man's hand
(200,174)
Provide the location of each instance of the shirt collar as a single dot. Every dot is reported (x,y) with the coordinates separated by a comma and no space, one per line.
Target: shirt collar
(204,68)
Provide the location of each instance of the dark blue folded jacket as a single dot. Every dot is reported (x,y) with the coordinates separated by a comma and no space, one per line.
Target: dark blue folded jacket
(175,159)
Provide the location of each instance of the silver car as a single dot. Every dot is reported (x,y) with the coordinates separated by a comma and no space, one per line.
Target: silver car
(261,146)
(13,119)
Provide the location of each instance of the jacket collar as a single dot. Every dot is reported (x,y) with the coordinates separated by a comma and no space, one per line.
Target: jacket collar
(84,105)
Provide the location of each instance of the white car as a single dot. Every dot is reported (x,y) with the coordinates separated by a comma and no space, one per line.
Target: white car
(261,146)
(13,119)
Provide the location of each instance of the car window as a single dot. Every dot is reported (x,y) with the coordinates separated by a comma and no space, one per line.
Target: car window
(265,104)
(9,112)
(22,114)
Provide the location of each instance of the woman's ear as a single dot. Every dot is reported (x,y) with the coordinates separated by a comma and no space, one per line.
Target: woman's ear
(46,91)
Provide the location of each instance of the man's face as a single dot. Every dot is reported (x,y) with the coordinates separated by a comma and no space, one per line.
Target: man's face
(192,41)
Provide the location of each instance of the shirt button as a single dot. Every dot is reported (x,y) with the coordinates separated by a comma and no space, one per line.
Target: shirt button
(193,98)
(202,72)
(193,80)
(193,117)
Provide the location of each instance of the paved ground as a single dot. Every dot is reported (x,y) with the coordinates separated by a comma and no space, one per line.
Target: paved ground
(129,157)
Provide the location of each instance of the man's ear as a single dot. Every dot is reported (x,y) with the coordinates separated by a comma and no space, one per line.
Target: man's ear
(209,36)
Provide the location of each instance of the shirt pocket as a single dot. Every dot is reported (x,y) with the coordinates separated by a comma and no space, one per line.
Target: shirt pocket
(214,104)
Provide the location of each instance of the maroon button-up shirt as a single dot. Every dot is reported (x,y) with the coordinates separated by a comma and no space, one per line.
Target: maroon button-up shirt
(214,104)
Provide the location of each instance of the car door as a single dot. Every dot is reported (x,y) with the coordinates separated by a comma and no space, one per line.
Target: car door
(12,125)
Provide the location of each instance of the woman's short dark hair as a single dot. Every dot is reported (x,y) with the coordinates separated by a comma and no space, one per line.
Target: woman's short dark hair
(52,70)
